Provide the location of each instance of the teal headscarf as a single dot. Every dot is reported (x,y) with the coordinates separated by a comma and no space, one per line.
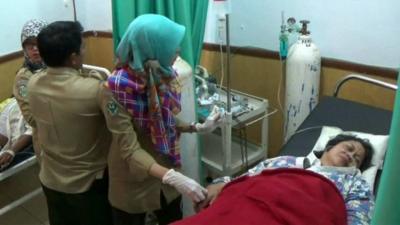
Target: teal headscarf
(150,37)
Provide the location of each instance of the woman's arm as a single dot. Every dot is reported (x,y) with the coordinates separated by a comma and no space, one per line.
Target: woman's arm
(213,191)
(211,123)
(359,202)
(184,127)
(7,156)
(140,162)
(218,184)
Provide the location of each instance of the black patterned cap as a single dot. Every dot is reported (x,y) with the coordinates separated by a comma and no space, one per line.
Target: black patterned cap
(32,29)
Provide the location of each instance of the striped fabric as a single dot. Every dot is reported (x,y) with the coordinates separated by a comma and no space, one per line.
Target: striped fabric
(153,102)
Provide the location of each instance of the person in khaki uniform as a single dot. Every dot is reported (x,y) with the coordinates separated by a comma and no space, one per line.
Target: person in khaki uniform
(32,64)
(76,118)
(146,85)
(66,110)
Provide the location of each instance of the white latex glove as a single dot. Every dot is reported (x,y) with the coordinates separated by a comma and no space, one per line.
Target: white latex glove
(212,121)
(185,185)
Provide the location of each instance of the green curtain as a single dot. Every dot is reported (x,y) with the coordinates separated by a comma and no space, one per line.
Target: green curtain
(190,13)
(387,202)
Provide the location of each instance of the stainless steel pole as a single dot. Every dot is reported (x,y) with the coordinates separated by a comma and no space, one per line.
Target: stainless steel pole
(228,64)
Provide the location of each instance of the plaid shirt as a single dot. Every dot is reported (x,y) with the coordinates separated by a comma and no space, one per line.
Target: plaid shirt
(152,106)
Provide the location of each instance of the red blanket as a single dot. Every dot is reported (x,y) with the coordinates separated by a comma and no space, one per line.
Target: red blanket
(279,196)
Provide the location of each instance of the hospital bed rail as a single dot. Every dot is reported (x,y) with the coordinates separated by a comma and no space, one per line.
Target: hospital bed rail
(97,68)
(362,78)
(349,115)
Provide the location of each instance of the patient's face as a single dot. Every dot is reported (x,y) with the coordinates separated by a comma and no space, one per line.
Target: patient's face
(344,154)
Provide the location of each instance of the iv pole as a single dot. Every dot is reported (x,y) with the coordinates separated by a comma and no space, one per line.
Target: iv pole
(227,127)
(228,64)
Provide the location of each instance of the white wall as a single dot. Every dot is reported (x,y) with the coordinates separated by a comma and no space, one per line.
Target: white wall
(361,31)
(15,13)
(93,15)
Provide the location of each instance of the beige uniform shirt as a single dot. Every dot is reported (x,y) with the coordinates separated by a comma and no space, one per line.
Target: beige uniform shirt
(20,92)
(135,192)
(74,117)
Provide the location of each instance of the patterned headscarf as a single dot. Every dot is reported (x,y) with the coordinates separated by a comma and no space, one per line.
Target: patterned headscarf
(146,84)
(31,29)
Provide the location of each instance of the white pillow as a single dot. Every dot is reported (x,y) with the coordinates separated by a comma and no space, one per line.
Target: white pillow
(378,142)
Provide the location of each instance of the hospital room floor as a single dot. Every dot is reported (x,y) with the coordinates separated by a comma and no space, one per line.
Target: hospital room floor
(32,212)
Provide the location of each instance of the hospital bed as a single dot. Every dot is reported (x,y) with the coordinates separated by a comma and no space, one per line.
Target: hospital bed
(345,114)
(30,161)
(289,203)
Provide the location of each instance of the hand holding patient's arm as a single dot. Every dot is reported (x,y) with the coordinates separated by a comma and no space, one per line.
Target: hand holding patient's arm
(213,191)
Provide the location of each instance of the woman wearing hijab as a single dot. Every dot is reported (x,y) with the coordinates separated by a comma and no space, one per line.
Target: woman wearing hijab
(147,86)
(32,60)
(32,64)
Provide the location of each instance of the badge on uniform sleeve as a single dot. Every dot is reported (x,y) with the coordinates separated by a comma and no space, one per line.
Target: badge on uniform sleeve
(23,90)
(112,107)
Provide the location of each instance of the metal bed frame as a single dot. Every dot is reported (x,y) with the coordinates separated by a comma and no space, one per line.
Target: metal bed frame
(363,78)
(300,144)
(297,145)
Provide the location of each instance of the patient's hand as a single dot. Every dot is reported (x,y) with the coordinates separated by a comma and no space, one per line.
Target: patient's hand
(213,191)
(5,158)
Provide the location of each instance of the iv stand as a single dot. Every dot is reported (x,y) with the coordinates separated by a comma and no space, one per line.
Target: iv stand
(227,126)
(228,64)
(229,164)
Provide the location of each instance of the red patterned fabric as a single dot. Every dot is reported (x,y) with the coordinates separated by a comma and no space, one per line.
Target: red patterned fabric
(279,196)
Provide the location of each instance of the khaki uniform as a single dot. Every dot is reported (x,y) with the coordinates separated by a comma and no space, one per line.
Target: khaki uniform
(75,117)
(20,93)
(135,192)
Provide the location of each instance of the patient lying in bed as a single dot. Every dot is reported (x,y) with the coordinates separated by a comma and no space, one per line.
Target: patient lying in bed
(15,136)
(330,191)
